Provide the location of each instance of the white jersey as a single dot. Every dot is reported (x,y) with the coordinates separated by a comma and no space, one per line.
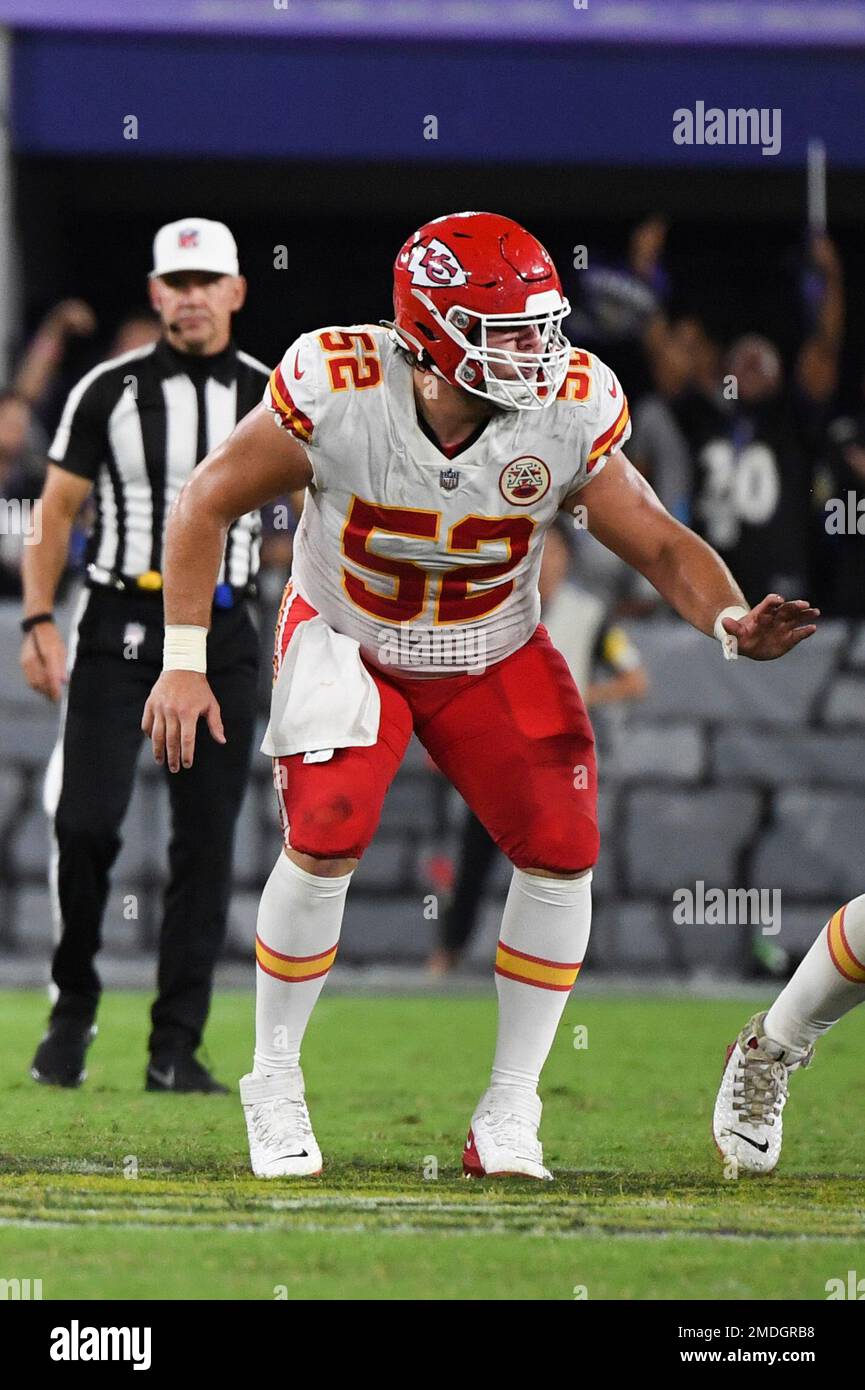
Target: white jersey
(430,562)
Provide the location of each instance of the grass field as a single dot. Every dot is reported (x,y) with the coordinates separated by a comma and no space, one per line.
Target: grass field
(640,1208)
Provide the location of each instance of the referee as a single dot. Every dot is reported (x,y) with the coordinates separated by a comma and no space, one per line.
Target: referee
(131,433)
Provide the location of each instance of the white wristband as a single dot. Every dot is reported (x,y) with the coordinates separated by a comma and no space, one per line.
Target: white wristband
(185,648)
(727,640)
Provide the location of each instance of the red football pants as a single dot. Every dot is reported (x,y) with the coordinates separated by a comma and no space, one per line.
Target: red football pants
(515,741)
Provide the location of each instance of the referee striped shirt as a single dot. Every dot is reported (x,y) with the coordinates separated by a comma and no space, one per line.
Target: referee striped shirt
(136,426)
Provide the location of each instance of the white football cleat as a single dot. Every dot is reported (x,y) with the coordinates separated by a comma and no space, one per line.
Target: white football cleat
(747,1123)
(503,1137)
(281,1141)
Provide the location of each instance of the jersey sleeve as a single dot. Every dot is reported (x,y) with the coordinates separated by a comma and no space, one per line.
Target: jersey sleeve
(613,423)
(80,443)
(291,394)
(606,426)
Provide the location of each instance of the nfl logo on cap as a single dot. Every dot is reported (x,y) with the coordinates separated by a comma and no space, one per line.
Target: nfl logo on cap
(194,244)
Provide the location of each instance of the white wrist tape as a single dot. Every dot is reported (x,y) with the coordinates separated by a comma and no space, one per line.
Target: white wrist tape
(185,648)
(727,640)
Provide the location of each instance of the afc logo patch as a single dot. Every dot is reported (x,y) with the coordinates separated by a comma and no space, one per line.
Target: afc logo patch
(524,481)
(432,263)
(188,238)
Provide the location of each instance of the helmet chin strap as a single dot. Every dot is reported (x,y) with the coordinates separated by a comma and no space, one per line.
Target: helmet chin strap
(412,346)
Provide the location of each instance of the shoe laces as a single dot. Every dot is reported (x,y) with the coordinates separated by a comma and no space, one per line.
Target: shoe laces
(512,1131)
(759,1088)
(273,1120)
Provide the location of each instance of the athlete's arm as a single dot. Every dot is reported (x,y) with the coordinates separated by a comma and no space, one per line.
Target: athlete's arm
(256,463)
(625,515)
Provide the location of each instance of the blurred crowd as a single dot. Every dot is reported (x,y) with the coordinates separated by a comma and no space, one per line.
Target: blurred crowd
(743,446)
(740,445)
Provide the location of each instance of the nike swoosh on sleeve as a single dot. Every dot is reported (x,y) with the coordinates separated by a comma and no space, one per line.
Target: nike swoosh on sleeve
(298,374)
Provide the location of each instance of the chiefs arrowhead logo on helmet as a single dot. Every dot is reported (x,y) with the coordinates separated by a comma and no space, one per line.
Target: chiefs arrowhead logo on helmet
(478,301)
(432,263)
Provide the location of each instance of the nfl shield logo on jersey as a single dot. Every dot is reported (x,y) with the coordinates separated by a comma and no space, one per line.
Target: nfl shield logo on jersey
(449,479)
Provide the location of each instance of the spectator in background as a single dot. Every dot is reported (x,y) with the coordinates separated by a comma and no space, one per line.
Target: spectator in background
(23,441)
(581,630)
(756,441)
(816,370)
(753,475)
(840,548)
(621,305)
(37,374)
(137,330)
(21,475)
(658,445)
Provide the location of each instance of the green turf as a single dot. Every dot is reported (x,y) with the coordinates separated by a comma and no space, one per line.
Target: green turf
(640,1208)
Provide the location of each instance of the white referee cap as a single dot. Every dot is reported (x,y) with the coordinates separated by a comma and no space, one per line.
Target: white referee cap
(194,243)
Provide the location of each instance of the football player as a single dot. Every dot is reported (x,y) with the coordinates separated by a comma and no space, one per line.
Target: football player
(748,1118)
(436,450)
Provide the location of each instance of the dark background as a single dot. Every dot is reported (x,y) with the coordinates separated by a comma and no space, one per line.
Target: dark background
(734,251)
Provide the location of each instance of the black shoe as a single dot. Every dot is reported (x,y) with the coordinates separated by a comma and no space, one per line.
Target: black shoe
(180,1071)
(59,1059)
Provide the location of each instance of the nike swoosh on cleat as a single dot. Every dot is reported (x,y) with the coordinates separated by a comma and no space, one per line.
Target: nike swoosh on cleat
(302,1154)
(165,1078)
(763,1148)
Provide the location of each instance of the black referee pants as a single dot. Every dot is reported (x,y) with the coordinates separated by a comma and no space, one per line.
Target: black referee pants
(112,675)
(477,856)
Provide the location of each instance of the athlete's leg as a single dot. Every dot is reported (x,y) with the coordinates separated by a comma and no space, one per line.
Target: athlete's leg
(828,984)
(748,1117)
(329,812)
(518,745)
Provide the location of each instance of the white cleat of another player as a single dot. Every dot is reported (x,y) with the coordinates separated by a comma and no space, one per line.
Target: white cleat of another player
(281,1141)
(503,1138)
(747,1123)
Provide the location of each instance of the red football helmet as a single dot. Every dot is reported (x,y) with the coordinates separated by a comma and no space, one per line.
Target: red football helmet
(462,276)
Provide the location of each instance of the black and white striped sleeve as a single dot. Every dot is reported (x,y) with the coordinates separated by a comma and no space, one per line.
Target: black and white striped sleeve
(81,442)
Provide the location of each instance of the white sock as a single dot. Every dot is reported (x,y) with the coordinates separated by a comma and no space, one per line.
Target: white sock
(545,932)
(829,982)
(299,921)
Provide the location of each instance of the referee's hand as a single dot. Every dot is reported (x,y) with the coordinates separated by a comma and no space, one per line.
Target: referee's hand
(174,706)
(43,660)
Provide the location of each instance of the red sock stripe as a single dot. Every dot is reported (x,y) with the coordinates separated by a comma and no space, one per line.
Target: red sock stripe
(843,958)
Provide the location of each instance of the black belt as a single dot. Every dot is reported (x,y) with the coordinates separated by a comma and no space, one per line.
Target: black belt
(149,585)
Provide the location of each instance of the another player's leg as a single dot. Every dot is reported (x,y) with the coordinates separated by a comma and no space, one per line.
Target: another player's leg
(747,1122)
(518,745)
